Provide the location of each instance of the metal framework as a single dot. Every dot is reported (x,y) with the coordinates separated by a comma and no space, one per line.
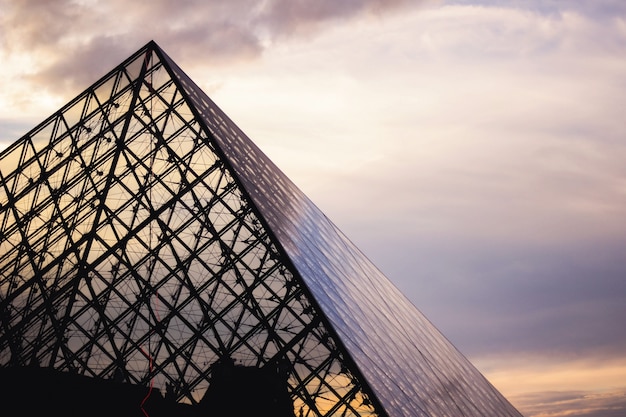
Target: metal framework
(128,245)
(144,237)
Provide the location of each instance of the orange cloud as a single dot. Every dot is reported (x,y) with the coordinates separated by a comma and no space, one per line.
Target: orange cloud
(548,387)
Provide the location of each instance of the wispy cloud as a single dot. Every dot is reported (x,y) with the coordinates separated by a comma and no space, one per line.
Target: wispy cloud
(541,386)
(572,404)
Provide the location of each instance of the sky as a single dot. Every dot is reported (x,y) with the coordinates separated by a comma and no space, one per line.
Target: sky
(474,151)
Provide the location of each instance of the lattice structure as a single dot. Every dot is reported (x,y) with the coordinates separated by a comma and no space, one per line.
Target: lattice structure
(143,237)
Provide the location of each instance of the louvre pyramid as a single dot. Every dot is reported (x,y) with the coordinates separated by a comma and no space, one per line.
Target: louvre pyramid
(144,236)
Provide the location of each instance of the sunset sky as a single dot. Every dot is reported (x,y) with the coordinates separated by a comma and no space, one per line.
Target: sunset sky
(474,150)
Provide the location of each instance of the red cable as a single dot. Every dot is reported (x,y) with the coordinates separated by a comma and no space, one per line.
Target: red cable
(143,410)
(151,385)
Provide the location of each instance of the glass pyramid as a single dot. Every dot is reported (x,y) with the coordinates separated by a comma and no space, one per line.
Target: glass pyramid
(145,239)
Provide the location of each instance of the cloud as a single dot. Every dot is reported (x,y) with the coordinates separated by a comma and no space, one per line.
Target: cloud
(597,9)
(559,387)
(67,35)
(31,24)
(523,145)
(511,299)
(573,404)
(93,59)
(288,17)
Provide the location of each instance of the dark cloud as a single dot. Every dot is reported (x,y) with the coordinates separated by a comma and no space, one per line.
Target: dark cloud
(86,62)
(286,17)
(73,41)
(81,66)
(35,24)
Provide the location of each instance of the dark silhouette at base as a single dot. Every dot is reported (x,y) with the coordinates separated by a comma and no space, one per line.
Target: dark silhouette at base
(238,391)
(235,391)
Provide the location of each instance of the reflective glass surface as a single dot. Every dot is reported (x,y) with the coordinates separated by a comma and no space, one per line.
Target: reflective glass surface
(144,237)
(410,365)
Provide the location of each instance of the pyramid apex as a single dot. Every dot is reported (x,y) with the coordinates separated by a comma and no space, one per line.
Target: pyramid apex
(152,45)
